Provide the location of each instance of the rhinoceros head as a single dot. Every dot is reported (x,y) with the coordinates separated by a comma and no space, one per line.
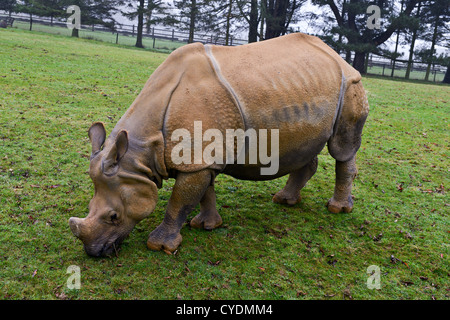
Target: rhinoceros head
(121,199)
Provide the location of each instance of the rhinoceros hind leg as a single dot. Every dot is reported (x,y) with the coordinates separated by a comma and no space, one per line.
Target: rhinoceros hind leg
(344,144)
(187,192)
(342,199)
(208,218)
(290,194)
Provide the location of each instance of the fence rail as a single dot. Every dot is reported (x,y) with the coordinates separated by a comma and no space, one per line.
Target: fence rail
(166,39)
(383,66)
(153,32)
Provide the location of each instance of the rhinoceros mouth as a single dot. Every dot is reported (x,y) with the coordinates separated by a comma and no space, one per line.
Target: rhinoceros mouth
(107,249)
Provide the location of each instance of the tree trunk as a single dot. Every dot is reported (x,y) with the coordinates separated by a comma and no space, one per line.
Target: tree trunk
(75,33)
(395,54)
(140,25)
(269,19)
(359,61)
(276,18)
(447,76)
(193,14)
(263,19)
(411,48)
(433,43)
(148,17)
(411,53)
(396,46)
(253,25)
(227,34)
(348,56)
(31,21)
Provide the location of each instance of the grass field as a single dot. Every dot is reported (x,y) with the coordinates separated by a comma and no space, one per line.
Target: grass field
(53,87)
(400,73)
(160,44)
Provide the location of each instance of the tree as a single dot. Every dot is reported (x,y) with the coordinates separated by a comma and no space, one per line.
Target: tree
(249,11)
(351,23)
(31,7)
(272,16)
(189,13)
(94,12)
(155,12)
(148,13)
(415,28)
(140,15)
(437,16)
(205,15)
(279,15)
(222,17)
(447,75)
(8,5)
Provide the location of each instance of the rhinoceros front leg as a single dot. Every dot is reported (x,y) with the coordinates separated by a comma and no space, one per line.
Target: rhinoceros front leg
(208,218)
(187,192)
(290,194)
(342,198)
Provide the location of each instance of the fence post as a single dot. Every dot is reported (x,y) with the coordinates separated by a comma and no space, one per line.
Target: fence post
(231,40)
(434,70)
(93,27)
(154,41)
(384,66)
(173,35)
(117,37)
(133,31)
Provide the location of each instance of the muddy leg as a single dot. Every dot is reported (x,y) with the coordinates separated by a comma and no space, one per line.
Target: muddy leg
(290,194)
(342,198)
(208,218)
(189,188)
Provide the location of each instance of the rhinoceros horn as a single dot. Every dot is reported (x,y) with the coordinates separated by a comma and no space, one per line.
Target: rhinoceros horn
(75,225)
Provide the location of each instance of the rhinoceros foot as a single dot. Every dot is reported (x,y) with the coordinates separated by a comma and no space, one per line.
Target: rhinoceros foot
(207,220)
(163,239)
(335,206)
(282,198)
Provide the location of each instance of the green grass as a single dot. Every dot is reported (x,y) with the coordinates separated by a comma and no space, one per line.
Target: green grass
(400,73)
(160,44)
(54,87)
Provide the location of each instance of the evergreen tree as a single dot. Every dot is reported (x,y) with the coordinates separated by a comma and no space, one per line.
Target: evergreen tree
(8,5)
(269,18)
(148,13)
(351,23)
(436,15)
(196,15)
(94,12)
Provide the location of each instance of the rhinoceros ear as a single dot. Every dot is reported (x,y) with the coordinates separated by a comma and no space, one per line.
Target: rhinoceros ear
(97,135)
(110,163)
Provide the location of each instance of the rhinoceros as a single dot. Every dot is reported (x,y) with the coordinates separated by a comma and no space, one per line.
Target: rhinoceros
(295,84)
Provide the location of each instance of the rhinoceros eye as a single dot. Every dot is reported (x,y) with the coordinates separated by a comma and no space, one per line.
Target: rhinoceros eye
(113,216)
